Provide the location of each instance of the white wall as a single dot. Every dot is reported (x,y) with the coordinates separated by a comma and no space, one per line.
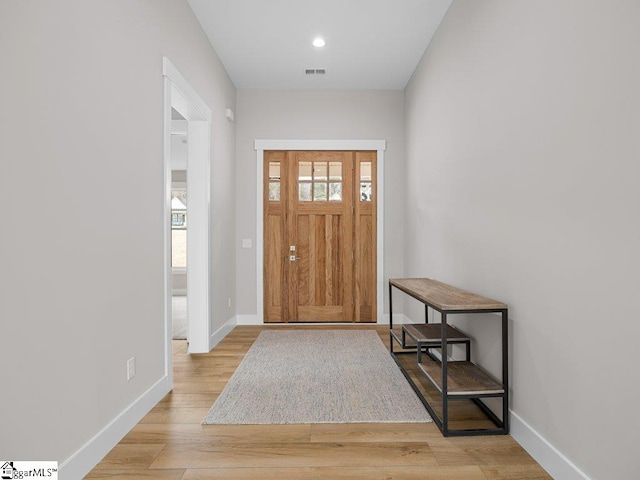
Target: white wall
(268,114)
(83,103)
(179,150)
(522,184)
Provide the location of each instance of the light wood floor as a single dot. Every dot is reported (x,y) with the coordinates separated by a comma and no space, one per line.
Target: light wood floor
(170,443)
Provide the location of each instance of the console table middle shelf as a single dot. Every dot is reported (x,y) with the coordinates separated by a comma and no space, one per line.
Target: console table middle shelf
(445,378)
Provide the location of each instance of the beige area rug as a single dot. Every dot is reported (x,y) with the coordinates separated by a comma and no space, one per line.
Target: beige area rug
(317,376)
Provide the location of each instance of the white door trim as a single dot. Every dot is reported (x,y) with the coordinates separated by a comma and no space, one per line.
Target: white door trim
(182,97)
(348,145)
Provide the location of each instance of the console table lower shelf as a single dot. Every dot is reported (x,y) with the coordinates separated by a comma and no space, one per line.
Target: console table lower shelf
(466,414)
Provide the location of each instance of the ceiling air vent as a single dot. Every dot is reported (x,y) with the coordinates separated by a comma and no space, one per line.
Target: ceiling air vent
(315,71)
(309,71)
(320,71)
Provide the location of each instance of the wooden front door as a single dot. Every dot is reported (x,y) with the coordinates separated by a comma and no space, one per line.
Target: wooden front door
(319,236)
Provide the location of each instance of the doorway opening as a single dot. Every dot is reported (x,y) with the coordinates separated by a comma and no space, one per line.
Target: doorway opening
(181,102)
(179,225)
(377,147)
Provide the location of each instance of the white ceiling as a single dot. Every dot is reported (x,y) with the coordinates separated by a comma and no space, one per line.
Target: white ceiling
(370,44)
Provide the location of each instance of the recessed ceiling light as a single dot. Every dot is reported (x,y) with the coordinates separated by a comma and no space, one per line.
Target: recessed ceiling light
(318,42)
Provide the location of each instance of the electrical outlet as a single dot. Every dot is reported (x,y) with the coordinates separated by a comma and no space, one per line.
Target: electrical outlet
(131,368)
(229,302)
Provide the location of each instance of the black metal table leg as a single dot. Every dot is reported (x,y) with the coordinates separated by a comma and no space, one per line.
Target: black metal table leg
(390,317)
(505,370)
(445,397)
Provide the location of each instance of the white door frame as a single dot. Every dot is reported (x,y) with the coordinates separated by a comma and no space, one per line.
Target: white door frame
(178,94)
(346,145)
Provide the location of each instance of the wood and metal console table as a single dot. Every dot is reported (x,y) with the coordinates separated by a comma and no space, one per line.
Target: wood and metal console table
(453,379)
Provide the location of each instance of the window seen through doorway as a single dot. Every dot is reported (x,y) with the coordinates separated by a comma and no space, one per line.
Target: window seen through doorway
(179,227)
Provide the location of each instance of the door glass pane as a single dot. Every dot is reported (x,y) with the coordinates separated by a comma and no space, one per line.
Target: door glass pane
(274,170)
(274,191)
(320,192)
(365,171)
(335,192)
(304,171)
(320,171)
(335,171)
(365,191)
(365,182)
(304,192)
(274,181)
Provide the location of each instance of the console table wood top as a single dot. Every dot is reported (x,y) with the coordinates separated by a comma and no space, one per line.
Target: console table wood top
(444,297)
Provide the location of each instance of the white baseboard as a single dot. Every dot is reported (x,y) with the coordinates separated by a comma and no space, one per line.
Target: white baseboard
(91,453)
(548,456)
(398,318)
(222,332)
(248,320)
